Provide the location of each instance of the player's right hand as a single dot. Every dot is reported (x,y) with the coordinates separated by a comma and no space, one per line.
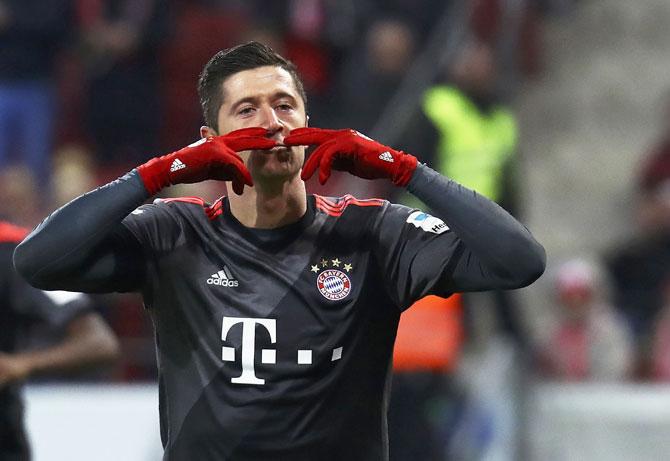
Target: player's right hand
(214,157)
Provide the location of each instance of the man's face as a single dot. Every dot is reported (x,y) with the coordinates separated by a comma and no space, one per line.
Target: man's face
(265,97)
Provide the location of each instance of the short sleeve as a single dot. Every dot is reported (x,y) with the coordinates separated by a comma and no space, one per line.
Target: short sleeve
(417,252)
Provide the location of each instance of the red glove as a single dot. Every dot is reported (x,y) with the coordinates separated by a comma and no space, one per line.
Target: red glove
(210,158)
(349,150)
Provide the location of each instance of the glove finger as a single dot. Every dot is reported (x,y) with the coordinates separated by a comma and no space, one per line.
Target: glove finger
(238,186)
(250,142)
(238,176)
(307,136)
(241,176)
(310,165)
(326,164)
(252,131)
(310,129)
(238,167)
(312,162)
(228,164)
(245,176)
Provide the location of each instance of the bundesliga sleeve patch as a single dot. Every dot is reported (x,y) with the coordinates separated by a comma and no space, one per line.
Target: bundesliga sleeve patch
(427,222)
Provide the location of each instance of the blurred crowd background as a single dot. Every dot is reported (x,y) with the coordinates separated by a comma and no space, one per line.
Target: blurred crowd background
(559,110)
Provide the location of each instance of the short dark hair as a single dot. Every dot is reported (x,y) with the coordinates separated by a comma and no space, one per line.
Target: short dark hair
(231,61)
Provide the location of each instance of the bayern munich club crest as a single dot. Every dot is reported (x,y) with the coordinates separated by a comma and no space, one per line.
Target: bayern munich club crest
(333,284)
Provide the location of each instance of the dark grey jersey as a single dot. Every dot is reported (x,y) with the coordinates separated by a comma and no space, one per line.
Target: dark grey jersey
(276,344)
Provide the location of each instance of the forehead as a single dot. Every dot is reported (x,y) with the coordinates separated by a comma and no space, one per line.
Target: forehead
(258,82)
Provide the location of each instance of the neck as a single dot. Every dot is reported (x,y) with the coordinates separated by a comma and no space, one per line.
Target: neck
(269,205)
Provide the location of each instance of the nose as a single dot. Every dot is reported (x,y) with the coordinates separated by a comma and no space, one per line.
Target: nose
(270,121)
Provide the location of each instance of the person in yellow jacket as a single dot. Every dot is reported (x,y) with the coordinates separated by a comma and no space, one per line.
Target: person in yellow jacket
(477,135)
(475,139)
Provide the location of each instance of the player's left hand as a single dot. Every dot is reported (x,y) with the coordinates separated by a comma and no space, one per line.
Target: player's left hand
(349,150)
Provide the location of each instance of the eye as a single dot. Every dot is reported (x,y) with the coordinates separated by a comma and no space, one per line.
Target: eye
(284,107)
(245,111)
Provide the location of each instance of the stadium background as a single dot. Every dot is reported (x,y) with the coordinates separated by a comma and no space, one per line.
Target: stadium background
(103,85)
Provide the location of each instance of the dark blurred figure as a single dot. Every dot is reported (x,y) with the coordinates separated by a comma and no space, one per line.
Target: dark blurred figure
(468,135)
(476,144)
(589,341)
(73,174)
(514,28)
(660,343)
(21,202)
(86,340)
(368,82)
(375,72)
(656,167)
(419,15)
(121,41)
(201,28)
(641,266)
(425,357)
(313,41)
(32,32)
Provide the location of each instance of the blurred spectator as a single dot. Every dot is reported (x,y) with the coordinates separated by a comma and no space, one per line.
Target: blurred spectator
(201,29)
(73,174)
(513,27)
(424,391)
(121,40)
(589,342)
(660,344)
(85,341)
(473,141)
(368,81)
(478,134)
(31,34)
(641,265)
(655,172)
(375,72)
(21,199)
(476,144)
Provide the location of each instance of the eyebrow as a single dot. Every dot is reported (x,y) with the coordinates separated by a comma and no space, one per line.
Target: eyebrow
(252,99)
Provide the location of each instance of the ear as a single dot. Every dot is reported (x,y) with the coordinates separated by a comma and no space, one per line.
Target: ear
(206,132)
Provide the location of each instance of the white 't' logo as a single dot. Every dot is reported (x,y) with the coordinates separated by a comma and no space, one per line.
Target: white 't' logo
(248,375)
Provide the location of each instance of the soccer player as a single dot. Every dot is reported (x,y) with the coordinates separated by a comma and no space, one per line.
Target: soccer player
(275,311)
(87,340)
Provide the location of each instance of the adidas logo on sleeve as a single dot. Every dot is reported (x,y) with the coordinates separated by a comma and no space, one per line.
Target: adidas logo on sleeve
(223,278)
(177,165)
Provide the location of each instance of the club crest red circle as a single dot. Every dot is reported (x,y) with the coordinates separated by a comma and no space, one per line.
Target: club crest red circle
(333,284)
